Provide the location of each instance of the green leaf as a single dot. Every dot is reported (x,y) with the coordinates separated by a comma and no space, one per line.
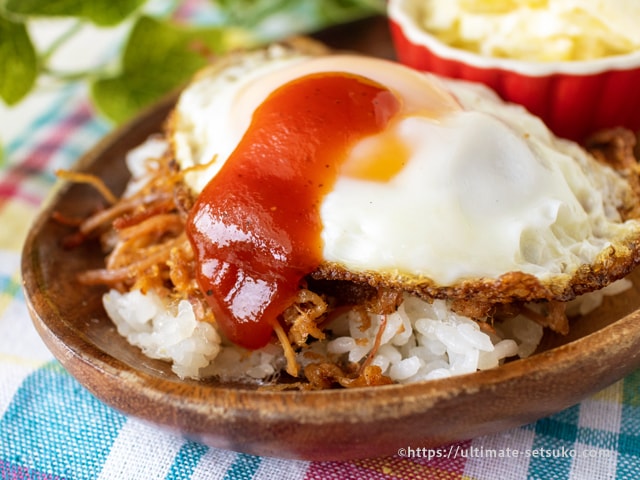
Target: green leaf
(159,57)
(300,15)
(337,11)
(100,12)
(18,61)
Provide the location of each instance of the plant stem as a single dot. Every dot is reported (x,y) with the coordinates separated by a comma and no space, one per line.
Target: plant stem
(46,55)
(70,76)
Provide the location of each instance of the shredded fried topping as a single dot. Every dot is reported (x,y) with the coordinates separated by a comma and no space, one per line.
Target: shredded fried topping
(303,317)
(78,177)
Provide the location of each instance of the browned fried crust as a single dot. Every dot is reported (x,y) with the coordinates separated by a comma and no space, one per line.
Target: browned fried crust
(509,287)
(617,148)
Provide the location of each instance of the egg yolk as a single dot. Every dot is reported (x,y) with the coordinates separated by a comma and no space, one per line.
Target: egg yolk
(256,227)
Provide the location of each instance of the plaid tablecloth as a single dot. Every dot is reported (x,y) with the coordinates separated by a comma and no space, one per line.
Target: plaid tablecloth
(52,428)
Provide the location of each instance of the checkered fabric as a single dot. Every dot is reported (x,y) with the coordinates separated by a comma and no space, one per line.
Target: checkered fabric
(52,428)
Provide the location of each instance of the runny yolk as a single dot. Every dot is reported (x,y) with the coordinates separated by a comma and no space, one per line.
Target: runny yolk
(377,158)
(256,227)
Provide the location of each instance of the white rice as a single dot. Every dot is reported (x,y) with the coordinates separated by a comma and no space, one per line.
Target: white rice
(421,341)
(164,332)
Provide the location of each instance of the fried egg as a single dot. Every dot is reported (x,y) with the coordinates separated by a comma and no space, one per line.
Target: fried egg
(484,190)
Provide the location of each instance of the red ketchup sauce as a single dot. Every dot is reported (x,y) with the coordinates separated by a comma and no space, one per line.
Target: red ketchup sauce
(256,227)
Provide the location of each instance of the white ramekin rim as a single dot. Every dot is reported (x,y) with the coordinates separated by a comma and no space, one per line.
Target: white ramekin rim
(398,12)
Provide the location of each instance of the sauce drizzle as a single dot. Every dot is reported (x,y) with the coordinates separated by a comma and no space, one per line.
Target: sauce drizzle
(256,227)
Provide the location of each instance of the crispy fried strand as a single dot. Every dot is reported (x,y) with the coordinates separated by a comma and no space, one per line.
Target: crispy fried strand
(292,364)
(96,182)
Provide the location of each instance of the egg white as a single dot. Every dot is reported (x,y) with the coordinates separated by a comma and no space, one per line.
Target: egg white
(487,189)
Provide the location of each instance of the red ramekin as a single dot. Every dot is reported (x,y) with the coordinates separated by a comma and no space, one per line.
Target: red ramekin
(574,99)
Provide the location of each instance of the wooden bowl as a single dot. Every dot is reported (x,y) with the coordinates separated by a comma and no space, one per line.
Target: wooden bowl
(321,425)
